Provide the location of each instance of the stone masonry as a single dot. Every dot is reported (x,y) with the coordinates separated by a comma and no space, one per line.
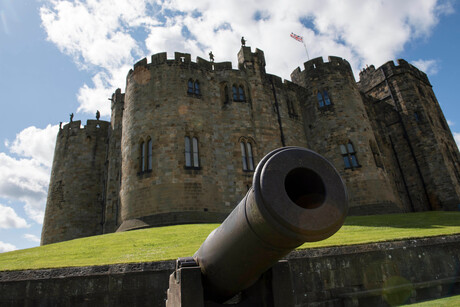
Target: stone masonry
(185,137)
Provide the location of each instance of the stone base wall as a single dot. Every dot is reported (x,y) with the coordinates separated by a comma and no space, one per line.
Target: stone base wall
(377,274)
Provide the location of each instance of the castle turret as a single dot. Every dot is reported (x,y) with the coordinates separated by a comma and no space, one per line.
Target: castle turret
(111,218)
(416,135)
(338,127)
(75,203)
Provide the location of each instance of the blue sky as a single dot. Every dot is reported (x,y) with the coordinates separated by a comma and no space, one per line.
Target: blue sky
(59,57)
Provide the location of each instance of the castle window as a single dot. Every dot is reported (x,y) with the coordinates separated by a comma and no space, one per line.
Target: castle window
(197,88)
(149,155)
(192,159)
(193,88)
(241,92)
(349,156)
(142,156)
(320,100)
(235,93)
(196,161)
(327,101)
(246,156)
(323,99)
(226,100)
(188,153)
(190,89)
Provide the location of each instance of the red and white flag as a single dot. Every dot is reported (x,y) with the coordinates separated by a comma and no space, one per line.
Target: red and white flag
(297,37)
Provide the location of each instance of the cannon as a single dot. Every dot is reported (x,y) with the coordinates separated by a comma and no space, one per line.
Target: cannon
(297,196)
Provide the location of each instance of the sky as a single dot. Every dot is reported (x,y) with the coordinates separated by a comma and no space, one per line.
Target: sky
(59,57)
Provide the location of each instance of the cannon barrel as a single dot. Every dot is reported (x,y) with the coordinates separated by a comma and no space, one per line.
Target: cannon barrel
(297,196)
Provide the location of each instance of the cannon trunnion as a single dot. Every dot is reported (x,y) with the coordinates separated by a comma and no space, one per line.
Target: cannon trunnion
(297,196)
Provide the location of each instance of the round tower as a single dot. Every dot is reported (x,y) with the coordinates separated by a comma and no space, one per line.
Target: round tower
(75,201)
(337,126)
(192,135)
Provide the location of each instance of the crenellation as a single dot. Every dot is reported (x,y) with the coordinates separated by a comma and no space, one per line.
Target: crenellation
(385,135)
(159,58)
(184,58)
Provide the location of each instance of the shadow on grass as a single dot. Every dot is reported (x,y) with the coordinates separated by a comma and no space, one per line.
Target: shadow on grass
(426,220)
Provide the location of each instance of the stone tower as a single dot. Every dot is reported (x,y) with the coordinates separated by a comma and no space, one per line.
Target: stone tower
(338,127)
(414,134)
(76,194)
(192,135)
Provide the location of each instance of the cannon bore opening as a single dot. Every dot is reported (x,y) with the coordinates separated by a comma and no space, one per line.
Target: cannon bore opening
(305,188)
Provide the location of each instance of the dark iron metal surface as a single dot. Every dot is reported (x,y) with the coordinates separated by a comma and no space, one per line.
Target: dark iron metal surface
(297,196)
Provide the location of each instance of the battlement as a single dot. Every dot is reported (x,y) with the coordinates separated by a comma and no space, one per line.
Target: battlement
(91,126)
(181,59)
(317,66)
(370,74)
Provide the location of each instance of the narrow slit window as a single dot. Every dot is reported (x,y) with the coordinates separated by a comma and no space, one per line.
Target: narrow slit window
(149,155)
(235,93)
(142,157)
(188,153)
(196,160)
(243,156)
(190,86)
(327,100)
(197,88)
(320,100)
(226,100)
(249,157)
(241,92)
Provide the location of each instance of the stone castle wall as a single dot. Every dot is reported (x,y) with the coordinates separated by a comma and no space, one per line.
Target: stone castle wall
(402,158)
(75,201)
(344,121)
(414,129)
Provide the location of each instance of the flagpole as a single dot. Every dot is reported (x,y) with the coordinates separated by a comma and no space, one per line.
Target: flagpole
(308,57)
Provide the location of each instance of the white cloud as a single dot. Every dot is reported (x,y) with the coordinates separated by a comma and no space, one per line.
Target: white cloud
(9,218)
(7,247)
(26,178)
(36,143)
(32,238)
(450,123)
(103,35)
(457,139)
(430,67)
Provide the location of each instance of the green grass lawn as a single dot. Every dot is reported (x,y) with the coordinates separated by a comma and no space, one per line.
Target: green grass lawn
(442,302)
(171,242)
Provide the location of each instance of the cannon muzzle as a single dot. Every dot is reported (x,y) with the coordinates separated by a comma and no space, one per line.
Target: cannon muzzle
(297,196)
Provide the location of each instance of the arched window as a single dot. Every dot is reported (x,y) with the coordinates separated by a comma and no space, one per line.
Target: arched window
(197,88)
(192,158)
(190,89)
(235,93)
(241,92)
(142,156)
(149,155)
(247,156)
(349,156)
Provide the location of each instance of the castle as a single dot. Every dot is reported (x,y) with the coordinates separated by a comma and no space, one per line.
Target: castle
(185,137)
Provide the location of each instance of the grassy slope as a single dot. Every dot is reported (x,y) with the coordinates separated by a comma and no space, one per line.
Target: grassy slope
(442,302)
(171,242)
